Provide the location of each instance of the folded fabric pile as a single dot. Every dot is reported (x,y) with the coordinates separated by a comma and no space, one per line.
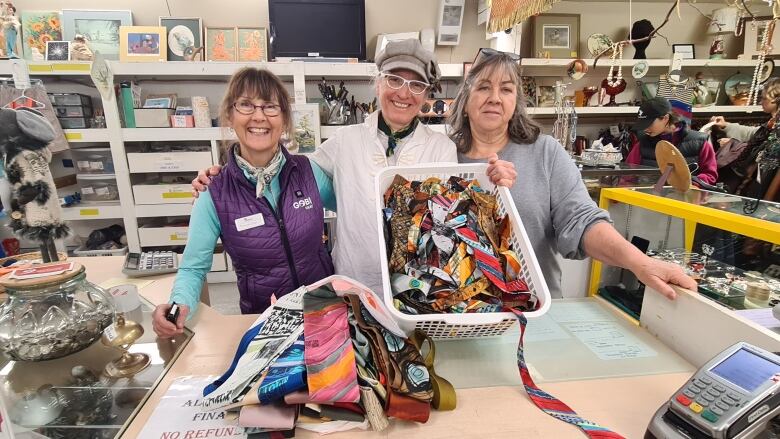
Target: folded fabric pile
(327,358)
(448,249)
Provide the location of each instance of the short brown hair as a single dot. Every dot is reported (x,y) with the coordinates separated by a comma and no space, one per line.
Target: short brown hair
(256,83)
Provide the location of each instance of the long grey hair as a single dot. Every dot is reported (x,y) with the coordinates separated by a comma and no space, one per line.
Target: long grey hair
(521,128)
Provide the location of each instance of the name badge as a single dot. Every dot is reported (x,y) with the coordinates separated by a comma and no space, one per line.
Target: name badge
(250,222)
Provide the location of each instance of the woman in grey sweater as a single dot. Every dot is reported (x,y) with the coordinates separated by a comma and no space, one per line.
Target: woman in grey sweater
(489,118)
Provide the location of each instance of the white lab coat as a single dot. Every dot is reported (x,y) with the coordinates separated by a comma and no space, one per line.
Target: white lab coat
(353,157)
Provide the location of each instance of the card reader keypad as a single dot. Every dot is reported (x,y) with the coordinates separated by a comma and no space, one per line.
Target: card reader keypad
(707,398)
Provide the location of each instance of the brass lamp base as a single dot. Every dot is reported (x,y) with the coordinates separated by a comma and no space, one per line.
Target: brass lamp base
(127,365)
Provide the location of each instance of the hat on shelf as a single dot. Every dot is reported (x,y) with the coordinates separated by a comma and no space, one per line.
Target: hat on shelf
(649,111)
(409,55)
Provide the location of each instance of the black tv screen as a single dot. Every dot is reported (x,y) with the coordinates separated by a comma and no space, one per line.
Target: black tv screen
(327,28)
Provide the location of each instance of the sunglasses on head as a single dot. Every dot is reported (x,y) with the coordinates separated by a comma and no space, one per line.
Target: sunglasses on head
(486,52)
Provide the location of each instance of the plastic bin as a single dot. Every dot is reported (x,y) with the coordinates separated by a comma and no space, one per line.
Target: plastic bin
(98,187)
(81,251)
(459,326)
(93,160)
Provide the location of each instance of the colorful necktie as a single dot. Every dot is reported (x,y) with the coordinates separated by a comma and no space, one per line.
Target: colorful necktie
(329,355)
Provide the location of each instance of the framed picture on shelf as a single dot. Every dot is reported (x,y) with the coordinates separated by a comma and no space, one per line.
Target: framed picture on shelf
(466,67)
(754,34)
(185,36)
(38,27)
(221,44)
(688,51)
(252,44)
(529,90)
(556,35)
(58,51)
(545,96)
(100,28)
(142,43)
(306,127)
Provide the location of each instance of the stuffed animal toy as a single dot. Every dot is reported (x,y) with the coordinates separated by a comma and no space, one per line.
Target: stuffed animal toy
(35,208)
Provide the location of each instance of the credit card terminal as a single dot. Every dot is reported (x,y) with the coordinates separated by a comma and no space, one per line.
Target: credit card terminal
(150,263)
(734,395)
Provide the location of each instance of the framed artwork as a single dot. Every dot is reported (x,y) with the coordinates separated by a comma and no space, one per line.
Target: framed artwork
(221,44)
(545,96)
(557,35)
(450,21)
(306,127)
(142,43)
(38,27)
(184,36)
(466,67)
(688,51)
(57,51)
(529,90)
(100,28)
(754,33)
(252,44)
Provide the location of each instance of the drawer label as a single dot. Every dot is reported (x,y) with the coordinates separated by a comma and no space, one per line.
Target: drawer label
(73,136)
(96,165)
(89,212)
(87,190)
(168,195)
(179,236)
(170,165)
(101,191)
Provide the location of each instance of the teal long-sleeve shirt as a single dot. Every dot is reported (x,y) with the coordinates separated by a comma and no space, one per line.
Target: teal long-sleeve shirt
(204,231)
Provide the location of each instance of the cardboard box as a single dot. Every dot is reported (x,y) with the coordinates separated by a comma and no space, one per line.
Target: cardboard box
(153,117)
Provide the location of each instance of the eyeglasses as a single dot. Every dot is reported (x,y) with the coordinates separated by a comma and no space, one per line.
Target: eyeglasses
(487,53)
(246,107)
(396,82)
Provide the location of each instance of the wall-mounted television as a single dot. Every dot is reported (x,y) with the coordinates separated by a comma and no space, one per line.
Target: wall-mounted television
(311,28)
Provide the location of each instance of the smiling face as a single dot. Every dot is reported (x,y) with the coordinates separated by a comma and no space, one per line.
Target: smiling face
(256,132)
(492,101)
(399,107)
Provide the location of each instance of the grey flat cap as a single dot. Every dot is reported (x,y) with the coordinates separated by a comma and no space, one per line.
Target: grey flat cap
(410,55)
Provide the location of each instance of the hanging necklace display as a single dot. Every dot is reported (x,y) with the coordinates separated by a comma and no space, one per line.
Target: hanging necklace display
(565,126)
(765,39)
(614,84)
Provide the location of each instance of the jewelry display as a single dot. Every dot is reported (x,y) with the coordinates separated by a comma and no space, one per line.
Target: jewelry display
(589,92)
(565,126)
(765,48)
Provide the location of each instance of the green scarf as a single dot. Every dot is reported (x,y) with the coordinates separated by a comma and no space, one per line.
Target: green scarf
(394,137)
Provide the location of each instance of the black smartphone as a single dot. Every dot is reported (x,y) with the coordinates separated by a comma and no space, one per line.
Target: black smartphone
(173,313)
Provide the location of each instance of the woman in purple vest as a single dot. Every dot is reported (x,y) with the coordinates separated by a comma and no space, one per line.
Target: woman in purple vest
(266,206)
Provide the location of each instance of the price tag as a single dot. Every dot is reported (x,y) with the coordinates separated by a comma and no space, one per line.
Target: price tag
(110,333)
(614,130)
(87,190)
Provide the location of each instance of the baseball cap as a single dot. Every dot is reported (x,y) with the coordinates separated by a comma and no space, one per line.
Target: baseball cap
(409,55)
(649,111)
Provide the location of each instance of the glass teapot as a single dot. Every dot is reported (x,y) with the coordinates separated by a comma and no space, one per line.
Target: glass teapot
(53,316)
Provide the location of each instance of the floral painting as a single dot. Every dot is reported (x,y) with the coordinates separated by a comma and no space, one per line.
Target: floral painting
(39,27)
(251,44)
(220,44)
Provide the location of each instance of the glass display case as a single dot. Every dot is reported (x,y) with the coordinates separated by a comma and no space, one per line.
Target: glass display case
(618,175)
(72,397)
(668,224)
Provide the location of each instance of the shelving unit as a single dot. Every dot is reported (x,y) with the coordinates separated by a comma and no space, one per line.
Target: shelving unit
(297,73)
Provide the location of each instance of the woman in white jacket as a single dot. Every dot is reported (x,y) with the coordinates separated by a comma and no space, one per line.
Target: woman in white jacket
(390,137)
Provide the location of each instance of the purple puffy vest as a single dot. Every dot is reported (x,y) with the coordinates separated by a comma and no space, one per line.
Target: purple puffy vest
(287,250)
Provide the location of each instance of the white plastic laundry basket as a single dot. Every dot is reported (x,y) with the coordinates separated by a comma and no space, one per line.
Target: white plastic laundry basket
(471,325)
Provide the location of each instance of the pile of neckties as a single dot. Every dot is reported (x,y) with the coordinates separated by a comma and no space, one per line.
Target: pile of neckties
(327,358)
(448,249)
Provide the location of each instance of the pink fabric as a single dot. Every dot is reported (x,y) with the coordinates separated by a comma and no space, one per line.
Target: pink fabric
(634,156)
(275,416)
(708,164)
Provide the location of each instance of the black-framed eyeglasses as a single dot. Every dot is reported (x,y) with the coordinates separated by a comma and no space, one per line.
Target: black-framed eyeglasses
(246,108)
(487,52)
(396,82)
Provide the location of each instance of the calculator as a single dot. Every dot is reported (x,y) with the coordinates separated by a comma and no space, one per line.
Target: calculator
(150,263)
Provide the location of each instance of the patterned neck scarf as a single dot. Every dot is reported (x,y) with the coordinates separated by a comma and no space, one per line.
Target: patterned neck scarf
(262,175)
(394,137)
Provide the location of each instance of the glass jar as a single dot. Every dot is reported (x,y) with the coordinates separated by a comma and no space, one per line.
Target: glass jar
(53,316)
